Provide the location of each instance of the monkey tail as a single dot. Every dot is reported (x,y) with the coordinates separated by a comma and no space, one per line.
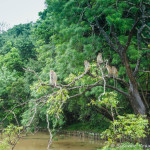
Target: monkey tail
(114,81)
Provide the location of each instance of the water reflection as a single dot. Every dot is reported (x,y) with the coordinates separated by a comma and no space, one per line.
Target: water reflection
(40,141)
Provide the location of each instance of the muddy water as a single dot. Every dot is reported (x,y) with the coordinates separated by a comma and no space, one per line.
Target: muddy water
(40,141)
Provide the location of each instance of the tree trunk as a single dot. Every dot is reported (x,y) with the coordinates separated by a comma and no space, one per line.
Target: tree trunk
(136,101)
(104,112)
(135,98)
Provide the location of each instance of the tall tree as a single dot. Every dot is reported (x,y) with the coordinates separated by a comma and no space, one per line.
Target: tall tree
(118,29)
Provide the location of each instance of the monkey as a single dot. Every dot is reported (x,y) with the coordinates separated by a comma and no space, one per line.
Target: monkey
(115,72)
(99,59)
(109,69)
(100,62)
(115,75)
(87,66)
(53,78)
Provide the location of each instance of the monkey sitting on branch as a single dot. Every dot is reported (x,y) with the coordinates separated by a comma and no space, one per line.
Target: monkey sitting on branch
(115,72)
(109,69)
(99,59)
(87,66)
(112,72)
(115,75)
(53,78)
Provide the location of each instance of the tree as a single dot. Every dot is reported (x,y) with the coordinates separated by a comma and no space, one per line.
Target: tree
(70,32)
(3,27)
(117,29)
(113,27)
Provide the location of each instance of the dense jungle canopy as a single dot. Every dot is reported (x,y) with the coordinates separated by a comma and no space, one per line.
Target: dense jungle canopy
(67,33)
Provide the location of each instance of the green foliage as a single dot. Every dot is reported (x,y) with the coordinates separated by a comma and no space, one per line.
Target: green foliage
(12,60)
(11,134)
(30,112)
(4,144)
(124,146)
(109,99)
(26,48)
(53,108)
(11,131)
(6,79)
(12,91)
(65,35)
(19,90)
(56,102)
(99,126)
(128,127)
(38,90)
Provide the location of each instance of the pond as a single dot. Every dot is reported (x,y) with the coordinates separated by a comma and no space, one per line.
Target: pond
(39,141)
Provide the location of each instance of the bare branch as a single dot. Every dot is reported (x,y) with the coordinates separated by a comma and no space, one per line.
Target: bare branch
(105,35)
(43,97)
(89,86)
(50,133)
(75,79)
(108,77)
(12,110)
(120,80)
(82,86)
(29,70)
(137,66)
(140,47)
(145,101)
(148,5)
(139,36)
(95,85)
(104,82)
(35,111)
(144,71)
(104,112)
(116,89)
(120,47)
(131,34)
(13,114)
(101,30)
(79,94)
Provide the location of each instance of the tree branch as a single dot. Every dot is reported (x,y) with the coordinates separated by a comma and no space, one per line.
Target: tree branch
(104,112)
(75,79)
(89,86)
(120,47)
(118,79)
(95,85)
(50,133)
(140,48)
(105,35)
(29,70)
(130,35)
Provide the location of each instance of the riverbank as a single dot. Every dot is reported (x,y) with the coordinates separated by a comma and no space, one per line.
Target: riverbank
(81,130)
(84,130)
(84,134)
(99,128)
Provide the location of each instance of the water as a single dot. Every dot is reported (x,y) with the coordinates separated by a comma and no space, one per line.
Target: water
(39,141)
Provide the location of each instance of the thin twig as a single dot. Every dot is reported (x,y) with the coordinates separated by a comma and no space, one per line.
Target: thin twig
(51,136)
